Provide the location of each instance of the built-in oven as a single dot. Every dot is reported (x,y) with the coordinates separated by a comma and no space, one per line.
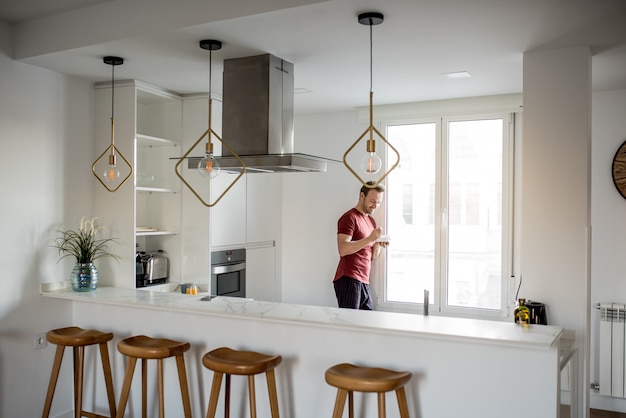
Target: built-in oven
(228,273)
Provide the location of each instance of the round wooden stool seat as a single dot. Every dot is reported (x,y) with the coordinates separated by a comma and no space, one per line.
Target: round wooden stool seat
(226,361)
(229,361)
(79,338)
(348,378)
(147,348)
(75,336)
(141,346)
(365,379)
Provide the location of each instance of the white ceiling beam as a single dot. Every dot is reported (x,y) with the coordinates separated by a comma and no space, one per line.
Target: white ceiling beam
(121,19)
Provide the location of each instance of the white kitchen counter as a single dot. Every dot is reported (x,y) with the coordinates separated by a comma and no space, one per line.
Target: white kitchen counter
(459,365)
(540,337)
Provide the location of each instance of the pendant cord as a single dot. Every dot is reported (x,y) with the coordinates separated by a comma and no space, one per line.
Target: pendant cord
(112,90)
(209,145)
(210,66)
(371,59)
(112,157)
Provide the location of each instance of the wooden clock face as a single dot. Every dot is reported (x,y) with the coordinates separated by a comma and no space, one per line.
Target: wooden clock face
(619,170)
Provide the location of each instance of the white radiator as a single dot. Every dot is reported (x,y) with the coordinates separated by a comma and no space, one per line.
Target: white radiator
(612,349)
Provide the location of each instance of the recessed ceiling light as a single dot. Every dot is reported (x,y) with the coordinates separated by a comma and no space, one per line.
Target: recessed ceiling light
(301,90)
(457,74)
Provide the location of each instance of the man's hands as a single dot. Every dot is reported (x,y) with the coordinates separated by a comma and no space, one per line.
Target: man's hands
(376,233)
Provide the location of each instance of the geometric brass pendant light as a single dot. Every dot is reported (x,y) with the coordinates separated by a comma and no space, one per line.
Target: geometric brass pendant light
(371,162)
(109,177)
(208,167)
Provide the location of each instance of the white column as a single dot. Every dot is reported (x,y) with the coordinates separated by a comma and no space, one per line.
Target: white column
(555,216)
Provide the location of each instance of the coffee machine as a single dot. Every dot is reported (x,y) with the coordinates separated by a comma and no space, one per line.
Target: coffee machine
(538,313)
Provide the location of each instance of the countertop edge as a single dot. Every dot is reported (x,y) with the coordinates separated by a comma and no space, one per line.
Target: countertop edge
(389,323)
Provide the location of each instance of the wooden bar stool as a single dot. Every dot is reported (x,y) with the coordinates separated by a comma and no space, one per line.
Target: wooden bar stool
(227,361)
(147,348)
(348,378)
(78,339)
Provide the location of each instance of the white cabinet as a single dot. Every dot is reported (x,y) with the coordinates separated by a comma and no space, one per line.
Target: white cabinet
(248,213)
(263,207)
(261,279)
(145,213)
(228,216)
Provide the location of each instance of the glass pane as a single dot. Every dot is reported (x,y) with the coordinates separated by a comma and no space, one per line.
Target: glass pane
(475,211)
(410,199)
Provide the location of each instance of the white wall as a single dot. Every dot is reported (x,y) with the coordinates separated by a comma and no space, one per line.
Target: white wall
(608,217)
(312,204)
(46,140)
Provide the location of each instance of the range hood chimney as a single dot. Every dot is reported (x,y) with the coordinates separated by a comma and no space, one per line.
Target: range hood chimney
(257,117)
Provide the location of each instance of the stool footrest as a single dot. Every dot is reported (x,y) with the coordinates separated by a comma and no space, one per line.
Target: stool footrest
(92,415)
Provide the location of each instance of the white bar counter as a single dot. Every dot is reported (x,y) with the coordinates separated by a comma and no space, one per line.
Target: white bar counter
(460,366)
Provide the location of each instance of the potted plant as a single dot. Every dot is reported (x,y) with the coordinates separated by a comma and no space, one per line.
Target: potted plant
(84,245)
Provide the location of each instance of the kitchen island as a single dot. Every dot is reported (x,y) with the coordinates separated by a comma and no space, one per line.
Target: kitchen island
(458,365)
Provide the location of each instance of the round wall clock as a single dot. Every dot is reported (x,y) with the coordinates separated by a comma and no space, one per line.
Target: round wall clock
(619,170)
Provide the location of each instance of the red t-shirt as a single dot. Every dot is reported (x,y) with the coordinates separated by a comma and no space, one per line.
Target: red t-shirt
(358,226)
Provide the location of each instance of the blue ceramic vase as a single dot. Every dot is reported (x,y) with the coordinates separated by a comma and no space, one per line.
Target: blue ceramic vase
(84,277)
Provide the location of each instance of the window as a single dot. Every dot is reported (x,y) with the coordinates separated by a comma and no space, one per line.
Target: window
(445,213)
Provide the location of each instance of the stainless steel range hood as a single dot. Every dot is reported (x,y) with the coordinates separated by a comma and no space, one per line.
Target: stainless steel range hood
(257,117)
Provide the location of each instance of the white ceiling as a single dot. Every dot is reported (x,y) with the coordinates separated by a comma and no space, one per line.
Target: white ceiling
(418,42)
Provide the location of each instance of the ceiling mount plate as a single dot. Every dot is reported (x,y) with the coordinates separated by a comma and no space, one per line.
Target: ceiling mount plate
(113,60)
(210,44)
(371,18)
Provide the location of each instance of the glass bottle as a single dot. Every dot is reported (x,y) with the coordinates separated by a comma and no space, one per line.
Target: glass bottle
(522,313)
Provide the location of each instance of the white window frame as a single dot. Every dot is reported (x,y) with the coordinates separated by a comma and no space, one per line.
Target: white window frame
(511,135)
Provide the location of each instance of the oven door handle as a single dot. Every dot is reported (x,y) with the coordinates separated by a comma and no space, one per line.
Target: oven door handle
(228,268)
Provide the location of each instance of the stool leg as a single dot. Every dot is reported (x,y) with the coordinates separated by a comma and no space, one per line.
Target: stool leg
(271,388)
(340,402)
(161,394)
(381,405)
(402,404)
(215,393)
(54,375)
(184,386)
(252,396)
(144,388)
(79,361)
(108,378)
(128,377)
(350,404)
(227,397)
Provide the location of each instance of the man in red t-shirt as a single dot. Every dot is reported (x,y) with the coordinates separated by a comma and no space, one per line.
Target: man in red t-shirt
(357,237)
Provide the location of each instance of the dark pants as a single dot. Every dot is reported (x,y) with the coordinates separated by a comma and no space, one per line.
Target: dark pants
(353,294)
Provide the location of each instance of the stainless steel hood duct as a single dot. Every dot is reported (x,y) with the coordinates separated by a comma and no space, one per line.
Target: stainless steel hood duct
(257,117)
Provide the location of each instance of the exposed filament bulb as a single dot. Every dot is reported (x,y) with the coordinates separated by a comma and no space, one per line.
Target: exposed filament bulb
(371,162)
(111,173)
(208,166)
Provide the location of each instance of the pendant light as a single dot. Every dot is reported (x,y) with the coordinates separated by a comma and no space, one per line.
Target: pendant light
(371,163)
(109,176)
(209,167)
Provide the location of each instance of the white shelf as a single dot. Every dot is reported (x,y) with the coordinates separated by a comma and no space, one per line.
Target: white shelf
(153,233)
(155,189)
(153,141)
